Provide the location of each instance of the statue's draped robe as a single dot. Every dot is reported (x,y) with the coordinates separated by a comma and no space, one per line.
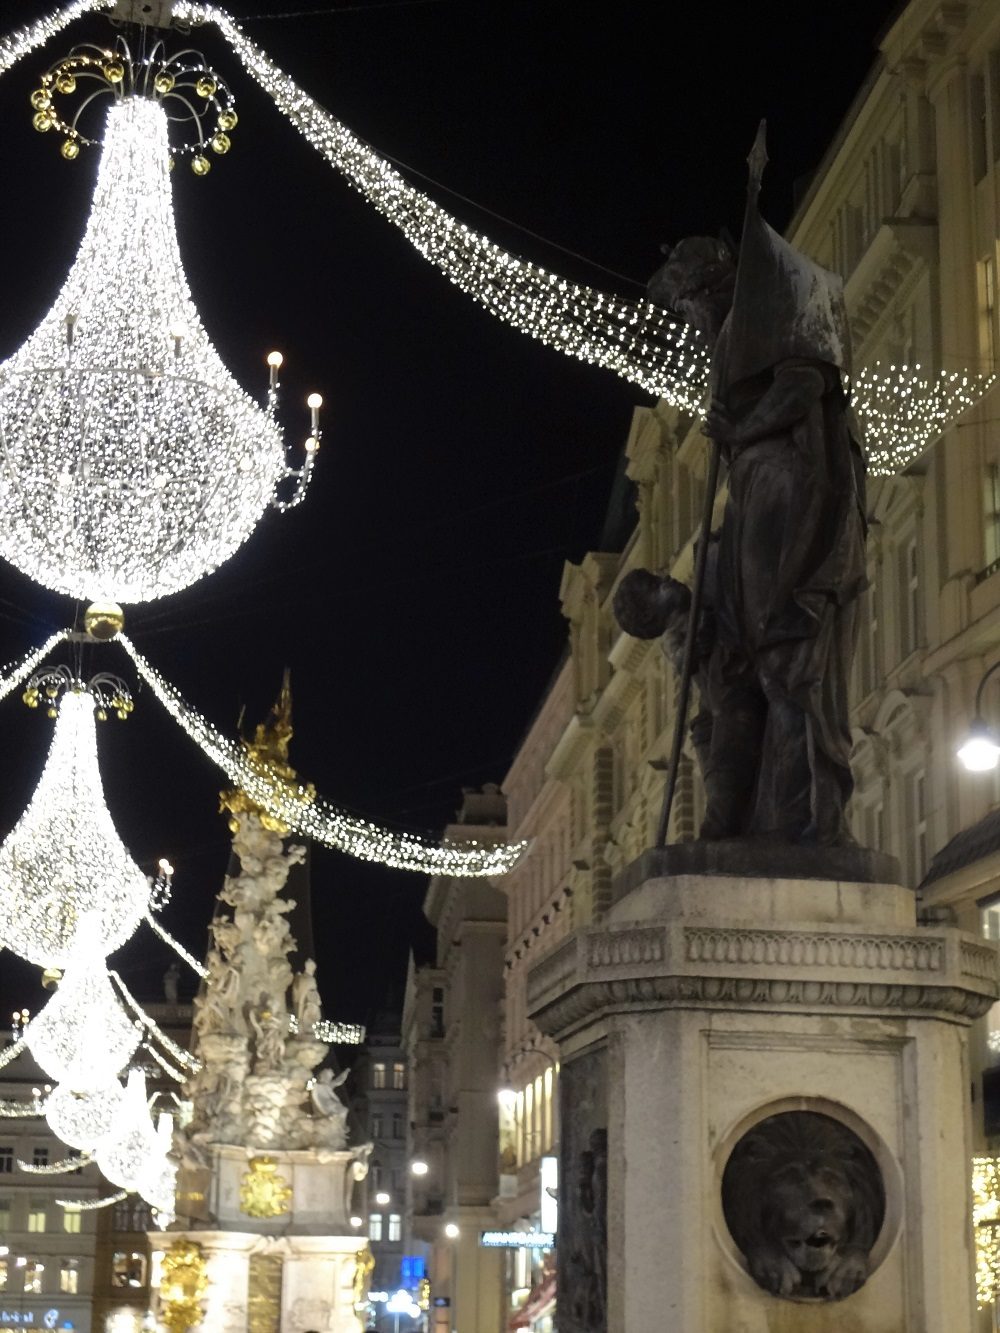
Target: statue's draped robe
(791,566)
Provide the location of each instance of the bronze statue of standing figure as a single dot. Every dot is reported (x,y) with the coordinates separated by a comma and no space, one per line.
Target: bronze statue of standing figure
(790,561)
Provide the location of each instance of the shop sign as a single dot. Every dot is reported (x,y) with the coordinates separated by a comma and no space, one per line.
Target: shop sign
(516,1240)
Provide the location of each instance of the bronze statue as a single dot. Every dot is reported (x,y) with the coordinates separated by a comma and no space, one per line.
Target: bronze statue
(791,550)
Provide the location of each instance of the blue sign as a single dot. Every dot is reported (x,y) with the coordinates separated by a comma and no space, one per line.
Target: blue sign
(412,1269)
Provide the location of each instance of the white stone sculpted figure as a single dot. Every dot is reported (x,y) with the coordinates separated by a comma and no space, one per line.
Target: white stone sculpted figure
(305,999)
(330,1118)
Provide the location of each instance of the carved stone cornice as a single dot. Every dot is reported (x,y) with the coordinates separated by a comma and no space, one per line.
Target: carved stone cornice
(917,973)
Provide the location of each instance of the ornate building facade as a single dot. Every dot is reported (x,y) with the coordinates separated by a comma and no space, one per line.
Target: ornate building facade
(452,1038)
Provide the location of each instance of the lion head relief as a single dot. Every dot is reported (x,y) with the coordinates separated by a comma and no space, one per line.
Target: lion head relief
(804,1200)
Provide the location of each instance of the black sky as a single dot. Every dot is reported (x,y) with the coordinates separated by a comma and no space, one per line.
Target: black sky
(415,593)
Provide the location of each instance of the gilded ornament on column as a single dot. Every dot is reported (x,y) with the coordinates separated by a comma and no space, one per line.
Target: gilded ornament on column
(183,1282)
(364,1266)
(263,1193)
(267,754)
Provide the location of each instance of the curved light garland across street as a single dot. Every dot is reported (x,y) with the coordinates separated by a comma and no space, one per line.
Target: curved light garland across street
(903,409)
(63,860)
(131,462)
(312,817)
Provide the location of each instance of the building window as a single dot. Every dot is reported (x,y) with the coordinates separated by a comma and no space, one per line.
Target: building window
(909,588)
(128,1269)
(71,1221)
(377,1125)
(399,1075)
(36,1215)
(33,1271)
(395,1226)
(977,112)
(437,1011)
(4,1216)
(991,514)
(915,797)
(6,1160)
(69,1276)
(375,1172)
(986,283)
(3,1274)
(397,1125)
(378,1075)
(375,1226)
(40,1156)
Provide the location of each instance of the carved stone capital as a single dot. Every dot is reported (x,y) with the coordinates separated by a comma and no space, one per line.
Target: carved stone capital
(920,972)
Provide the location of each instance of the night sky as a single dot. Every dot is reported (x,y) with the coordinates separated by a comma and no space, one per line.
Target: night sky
(415,592)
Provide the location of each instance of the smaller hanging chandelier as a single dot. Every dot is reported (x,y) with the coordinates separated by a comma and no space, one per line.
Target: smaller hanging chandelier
(64,860)
(83,1037)
(83,1119)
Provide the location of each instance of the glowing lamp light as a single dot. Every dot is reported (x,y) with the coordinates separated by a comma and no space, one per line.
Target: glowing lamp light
(506,1097)
(356,1221)
(382,1198)
(419,1167)
(452,1230)
(980,751)
(123,431)
(64,860)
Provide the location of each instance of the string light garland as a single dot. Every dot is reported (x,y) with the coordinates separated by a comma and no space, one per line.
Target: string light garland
(178,1075)
(132,462)
(904,409)
(92,1205)
(21,1110)
(64,860)
(29,38)
(312,817)
(986,1224)
(333,1033)
(635,339)
(178,1053)
(61,1168)
(12,1052)
(176,945)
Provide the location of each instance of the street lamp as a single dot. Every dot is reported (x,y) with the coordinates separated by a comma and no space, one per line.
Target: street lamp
(419,1167)
(452,1230)
(382,1198)
(980,751)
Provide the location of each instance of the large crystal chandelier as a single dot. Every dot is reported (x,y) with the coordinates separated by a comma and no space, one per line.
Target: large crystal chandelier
(131,462)
(64,860)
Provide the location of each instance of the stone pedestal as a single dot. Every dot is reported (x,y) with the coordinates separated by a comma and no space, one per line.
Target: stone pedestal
(703,1006)
(293,1272)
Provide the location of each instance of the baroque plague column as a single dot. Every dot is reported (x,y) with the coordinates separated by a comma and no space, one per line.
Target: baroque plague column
(265,1181)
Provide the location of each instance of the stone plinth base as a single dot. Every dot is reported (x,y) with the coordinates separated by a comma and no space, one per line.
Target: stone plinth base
(268,1284)
(703,1006)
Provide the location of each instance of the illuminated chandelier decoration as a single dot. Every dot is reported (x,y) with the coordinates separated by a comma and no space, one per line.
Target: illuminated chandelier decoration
(83,1037)
(64,861)
(132,463)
